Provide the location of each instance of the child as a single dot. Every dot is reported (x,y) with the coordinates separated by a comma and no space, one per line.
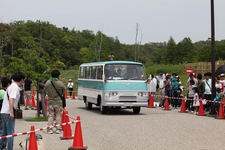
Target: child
(190,95)
(196,100)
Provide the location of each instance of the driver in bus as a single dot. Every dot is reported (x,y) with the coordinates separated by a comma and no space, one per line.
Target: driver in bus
(134,72)
(119,72)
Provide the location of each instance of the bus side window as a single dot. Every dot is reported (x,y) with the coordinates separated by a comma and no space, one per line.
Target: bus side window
(87,72)
(81,74)
(99,72)
(93,72)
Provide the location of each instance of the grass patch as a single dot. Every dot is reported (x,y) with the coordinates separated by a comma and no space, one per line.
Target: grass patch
(40,118)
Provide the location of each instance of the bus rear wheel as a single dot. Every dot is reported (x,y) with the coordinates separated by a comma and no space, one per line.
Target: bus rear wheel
(88,105)
(136,110)
(103,109)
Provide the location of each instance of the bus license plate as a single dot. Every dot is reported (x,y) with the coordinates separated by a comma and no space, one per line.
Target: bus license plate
(128,104)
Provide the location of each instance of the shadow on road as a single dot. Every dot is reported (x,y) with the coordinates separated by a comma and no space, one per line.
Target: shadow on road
(112,111)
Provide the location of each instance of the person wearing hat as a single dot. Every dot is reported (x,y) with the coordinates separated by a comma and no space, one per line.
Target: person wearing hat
(222,80)
(191,77)
(70,86)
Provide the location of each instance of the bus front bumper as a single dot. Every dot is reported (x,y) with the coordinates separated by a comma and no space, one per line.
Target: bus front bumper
(126,104)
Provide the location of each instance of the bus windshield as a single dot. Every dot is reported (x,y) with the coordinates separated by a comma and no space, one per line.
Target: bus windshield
(124,72)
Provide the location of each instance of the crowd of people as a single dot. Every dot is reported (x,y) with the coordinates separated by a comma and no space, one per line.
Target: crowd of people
(197,88)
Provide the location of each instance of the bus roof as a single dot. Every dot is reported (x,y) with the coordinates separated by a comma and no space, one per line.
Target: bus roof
(111,62)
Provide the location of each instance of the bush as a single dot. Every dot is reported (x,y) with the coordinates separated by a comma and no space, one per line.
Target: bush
(60,65)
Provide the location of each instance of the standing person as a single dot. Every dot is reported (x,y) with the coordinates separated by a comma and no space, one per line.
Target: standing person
(207,93)
(174,75)
(222,80)
(55,109)
(154,81)
(6,81)
(21,94)
(27,91)
(190,95)
(70,86)
(218,85)
(179,91)
(167,86)
(161,78)
(201,86)
(10,103)
(175,87)
(191,77)
(196,100)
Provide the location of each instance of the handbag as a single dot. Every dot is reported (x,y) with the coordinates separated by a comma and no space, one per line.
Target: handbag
(204,102)
(62,97)
(18,113)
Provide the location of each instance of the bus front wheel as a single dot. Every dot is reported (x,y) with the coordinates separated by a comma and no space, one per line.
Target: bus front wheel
(103,109)
(136,110)
(88,105)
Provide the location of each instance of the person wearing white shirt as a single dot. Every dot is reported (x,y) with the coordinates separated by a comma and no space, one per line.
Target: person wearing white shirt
(222,81)
(154,82)
(10,103)
(161,78)
(70,86)
(208,87)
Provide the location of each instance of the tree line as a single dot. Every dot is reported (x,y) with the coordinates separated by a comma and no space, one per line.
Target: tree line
(41,45)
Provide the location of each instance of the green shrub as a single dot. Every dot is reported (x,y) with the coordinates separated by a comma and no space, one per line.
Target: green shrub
(60,65)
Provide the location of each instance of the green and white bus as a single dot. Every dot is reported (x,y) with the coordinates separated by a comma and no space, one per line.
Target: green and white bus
(113,84)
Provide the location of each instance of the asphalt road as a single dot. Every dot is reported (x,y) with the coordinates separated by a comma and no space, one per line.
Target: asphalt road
(153,128)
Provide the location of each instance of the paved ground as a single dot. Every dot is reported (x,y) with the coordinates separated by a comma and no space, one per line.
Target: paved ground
(153,129)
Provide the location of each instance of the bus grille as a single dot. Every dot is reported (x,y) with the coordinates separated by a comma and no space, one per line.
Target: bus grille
(128,97)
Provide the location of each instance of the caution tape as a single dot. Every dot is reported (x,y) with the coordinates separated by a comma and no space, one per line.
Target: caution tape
(187,99)
(71,117)
(28,132)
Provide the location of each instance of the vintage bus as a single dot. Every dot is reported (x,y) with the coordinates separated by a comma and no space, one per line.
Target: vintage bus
(113,84)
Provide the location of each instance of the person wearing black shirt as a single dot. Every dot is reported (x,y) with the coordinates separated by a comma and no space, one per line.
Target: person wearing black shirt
(27,91)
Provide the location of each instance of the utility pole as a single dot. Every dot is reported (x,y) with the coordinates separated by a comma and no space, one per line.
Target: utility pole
(135,50)
(213,57)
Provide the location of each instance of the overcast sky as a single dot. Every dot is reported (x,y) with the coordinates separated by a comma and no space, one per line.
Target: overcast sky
(158,19)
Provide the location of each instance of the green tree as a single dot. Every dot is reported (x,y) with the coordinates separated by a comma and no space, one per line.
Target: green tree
(168,56)
(85,55)
(204,54)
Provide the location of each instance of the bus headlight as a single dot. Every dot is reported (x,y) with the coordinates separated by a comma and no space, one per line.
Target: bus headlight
(142,94)
(113,93)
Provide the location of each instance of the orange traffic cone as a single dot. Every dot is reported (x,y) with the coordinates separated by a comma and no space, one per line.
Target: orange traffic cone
(183,108)
(65,95)
(33,92)
(67,135)
(33,103)
(46,102)
(63,117)
(73,97)
(33,141)
(221,112)
(78,139)
(201,109)
(167,107)
(151,102)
